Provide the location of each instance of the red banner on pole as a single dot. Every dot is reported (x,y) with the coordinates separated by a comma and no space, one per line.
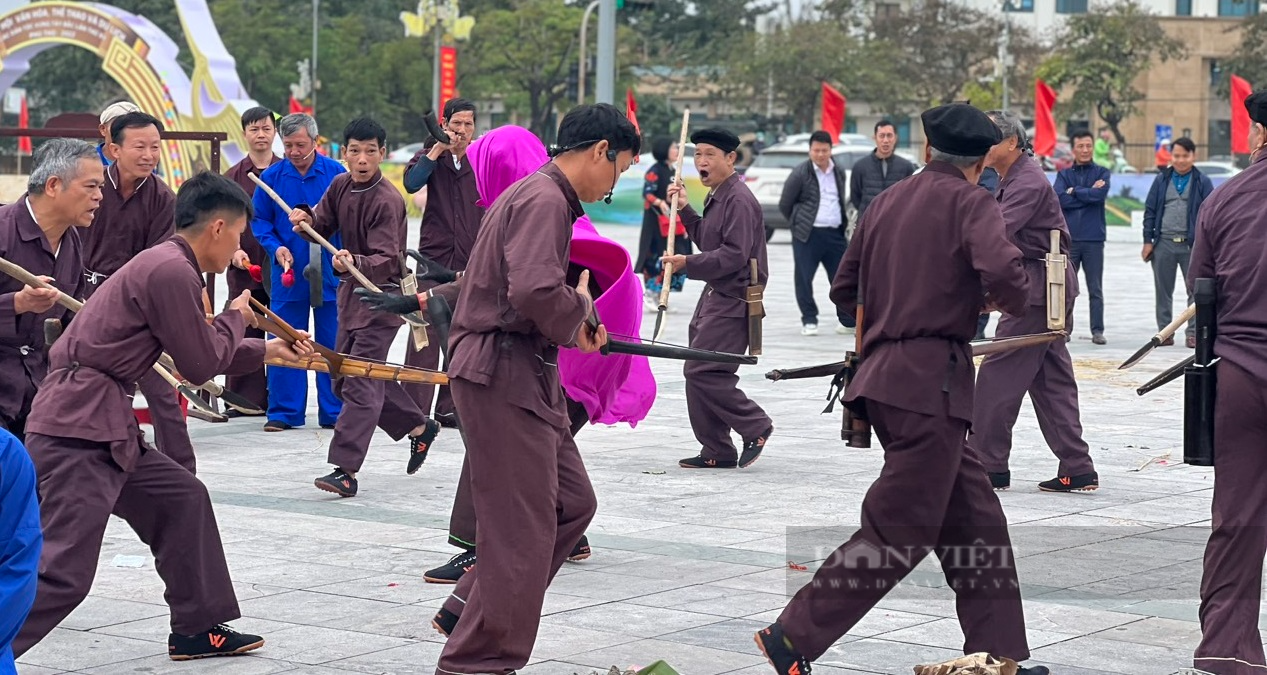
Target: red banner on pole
(448,74)
(631,109)
(1240,116)
(1044,119)
(833,112)
(24,121)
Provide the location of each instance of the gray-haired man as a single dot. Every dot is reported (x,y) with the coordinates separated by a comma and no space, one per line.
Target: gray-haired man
(38,233)
(301,180)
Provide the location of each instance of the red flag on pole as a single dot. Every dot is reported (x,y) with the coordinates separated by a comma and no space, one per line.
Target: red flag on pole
(24,121)
(297,107)
(833,112)
(1044,119)
(631,109)
(1240,116)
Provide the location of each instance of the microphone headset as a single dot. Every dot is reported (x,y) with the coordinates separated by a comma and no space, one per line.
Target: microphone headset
(611,157)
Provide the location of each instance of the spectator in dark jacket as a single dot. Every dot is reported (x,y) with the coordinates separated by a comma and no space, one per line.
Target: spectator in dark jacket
(813,202)
(876,172)
(1082,189)
(1170,219)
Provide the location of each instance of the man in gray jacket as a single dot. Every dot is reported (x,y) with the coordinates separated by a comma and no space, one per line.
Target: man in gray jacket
(878,171)
(813,202)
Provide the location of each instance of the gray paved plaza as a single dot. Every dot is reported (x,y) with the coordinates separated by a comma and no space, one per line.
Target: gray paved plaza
(688,564)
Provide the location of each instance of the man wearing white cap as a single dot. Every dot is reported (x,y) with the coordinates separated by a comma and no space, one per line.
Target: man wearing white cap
(107,116)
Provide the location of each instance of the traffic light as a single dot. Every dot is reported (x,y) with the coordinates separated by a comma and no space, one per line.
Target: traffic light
(573,82)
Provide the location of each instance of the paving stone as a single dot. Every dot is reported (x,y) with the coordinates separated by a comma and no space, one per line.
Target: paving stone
(687,564)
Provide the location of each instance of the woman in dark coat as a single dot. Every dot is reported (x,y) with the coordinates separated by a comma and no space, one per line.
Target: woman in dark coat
(655,220)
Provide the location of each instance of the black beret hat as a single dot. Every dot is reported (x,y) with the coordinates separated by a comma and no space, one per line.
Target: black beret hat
(720,138)
(1256,105)
(960,129)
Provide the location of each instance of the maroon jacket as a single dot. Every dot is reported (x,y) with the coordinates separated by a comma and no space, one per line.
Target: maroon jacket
(123,228)
(730,232)
(1031,210)
(23,243)
(1230,245)
(920,262)
(152,305)
(515,308)
(452,218)
(371,222)
(240,280)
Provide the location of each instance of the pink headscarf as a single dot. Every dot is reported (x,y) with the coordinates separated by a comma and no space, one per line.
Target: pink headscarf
(614,388)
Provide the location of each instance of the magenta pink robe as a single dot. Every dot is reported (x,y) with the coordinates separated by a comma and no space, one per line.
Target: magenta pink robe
(614,388)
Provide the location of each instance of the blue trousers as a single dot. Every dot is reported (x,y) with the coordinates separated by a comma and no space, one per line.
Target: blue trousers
(288,387)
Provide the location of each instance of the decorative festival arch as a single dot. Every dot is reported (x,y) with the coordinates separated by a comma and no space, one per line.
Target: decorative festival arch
(142,59)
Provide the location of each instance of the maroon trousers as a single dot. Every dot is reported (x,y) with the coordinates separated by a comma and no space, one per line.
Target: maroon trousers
(171,435)
(714,402)
(533,500)
(462,517)
(368,403)
(253,385)
(931,496)
(1231,582)
(80,485)
(1046,373)
(429,358)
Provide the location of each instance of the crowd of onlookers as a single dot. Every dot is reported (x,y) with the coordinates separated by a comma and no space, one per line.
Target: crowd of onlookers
(818,196)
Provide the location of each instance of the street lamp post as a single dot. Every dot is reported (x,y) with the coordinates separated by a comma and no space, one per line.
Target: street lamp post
(1005,57)
(316,5)
(580,71)
(606,90)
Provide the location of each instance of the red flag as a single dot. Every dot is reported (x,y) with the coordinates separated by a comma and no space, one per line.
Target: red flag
(631,109)
(833,112)
(1240,116)
(297,107)
(1044,119)
(24,121)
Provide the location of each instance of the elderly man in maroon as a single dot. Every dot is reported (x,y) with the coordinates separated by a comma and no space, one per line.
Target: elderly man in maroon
(259,127)
(1230,241)
(369,214)
(136,214)
(729,233)
(533,498)
(89,453)
(925,258)
(1031,210)
(38,232)
(449,225)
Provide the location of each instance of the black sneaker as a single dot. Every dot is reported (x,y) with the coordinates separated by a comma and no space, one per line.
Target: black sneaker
(444,622)
(699,462)
(1001,480)
(450,572)
(338,482)
(219,640)
(752,449)
(581,551)
(1083,483)
(447,420)
(786,661)
(420,444)
(1036,670)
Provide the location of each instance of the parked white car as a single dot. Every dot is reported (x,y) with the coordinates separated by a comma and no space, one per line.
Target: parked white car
(770,170)
(1217,169)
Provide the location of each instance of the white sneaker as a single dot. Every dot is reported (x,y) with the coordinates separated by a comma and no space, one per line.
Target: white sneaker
(809,329)
(844,330)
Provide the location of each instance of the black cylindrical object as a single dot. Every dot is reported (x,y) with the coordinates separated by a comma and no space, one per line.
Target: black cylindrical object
(1200,380)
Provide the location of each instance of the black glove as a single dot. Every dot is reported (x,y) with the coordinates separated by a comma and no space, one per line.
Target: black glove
(430,270)
(388,302)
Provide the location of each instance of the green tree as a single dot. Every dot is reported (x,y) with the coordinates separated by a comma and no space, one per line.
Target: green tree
(1249,60)
(944,45)
(524,54)
(1101,54)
